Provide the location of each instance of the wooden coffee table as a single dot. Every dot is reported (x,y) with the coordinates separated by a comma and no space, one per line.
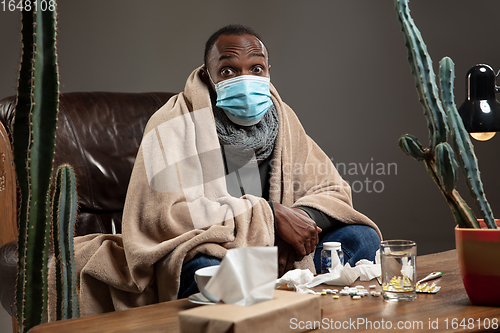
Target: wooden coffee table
(447,311)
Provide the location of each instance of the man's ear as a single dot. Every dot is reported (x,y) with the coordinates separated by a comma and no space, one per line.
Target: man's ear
(204,76)
(269,69)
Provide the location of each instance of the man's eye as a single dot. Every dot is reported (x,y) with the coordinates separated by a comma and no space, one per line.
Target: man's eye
(226,71)
(257,70)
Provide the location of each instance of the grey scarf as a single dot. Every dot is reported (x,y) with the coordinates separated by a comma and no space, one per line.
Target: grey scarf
(241,142)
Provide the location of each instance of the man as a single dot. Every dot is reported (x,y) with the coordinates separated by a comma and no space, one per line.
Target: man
(231,53)
(224,164)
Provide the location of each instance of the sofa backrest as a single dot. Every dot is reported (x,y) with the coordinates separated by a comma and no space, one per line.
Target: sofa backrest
(99,134)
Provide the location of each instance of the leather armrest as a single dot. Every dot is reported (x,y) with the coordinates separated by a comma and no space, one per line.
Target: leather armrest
(8,190)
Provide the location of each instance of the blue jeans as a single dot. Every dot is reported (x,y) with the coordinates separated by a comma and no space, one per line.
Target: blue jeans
(188,284)
(358,242)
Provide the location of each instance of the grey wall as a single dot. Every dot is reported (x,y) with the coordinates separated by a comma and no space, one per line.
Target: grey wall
(341,65)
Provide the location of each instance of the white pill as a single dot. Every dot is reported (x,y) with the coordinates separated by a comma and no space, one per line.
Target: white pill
(373,286)
(356,297)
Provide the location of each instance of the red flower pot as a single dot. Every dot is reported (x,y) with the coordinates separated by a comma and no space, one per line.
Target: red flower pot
(479,259)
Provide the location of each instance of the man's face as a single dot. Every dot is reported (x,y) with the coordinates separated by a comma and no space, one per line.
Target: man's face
(234,55)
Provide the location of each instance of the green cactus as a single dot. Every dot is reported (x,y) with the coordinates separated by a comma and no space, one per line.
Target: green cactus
(64,209)
(34,133)
(21,138)
(425,79)
(439,158)
(33,140)
(411,147)
(446,166)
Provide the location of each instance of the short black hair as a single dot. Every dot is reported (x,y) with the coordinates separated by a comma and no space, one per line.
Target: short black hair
(232,29)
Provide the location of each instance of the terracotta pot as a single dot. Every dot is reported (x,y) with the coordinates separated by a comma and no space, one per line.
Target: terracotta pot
(479,260)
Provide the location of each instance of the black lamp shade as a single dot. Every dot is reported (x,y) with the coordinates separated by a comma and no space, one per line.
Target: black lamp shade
(481,111)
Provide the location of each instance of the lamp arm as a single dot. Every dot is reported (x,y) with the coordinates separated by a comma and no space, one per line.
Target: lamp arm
(497,88)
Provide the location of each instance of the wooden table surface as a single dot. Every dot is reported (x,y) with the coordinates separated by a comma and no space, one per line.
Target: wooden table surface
(447,311)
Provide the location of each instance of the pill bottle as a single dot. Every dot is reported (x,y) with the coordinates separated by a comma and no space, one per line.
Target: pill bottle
(331,255)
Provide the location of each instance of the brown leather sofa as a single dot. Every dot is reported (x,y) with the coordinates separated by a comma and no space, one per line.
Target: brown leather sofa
(99,134)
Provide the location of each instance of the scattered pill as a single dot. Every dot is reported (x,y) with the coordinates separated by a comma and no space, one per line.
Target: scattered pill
(335,297)
(356,297)
(323,293)
(360,287)
(376,293)
(344,292)
(373,286)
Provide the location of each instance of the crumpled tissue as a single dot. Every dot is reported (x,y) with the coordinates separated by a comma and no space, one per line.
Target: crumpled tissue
(298,279)
(339,275)
(246,276)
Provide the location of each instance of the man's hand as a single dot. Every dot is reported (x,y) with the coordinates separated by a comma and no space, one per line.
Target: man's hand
(295,227)
(286,256)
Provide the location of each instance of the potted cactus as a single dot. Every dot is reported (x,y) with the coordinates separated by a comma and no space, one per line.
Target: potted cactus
(478,241)
(34,133)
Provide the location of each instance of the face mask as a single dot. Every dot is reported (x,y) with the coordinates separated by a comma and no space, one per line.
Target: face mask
(245,98)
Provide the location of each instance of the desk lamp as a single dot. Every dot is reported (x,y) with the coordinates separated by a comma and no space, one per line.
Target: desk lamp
(481,111)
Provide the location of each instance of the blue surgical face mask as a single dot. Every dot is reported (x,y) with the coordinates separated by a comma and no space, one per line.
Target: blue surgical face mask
(245,99)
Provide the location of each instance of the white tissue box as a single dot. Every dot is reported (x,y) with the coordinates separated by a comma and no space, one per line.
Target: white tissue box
(281,314)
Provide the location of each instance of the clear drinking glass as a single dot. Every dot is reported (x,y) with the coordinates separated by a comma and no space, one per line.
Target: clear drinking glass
(398,260)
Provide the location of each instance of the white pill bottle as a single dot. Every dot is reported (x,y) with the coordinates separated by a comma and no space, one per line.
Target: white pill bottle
(331,256)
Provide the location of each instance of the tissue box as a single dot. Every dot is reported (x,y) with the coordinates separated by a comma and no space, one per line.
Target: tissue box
(284,312)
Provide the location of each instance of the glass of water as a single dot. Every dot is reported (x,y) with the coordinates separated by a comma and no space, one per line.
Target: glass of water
(398,260)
